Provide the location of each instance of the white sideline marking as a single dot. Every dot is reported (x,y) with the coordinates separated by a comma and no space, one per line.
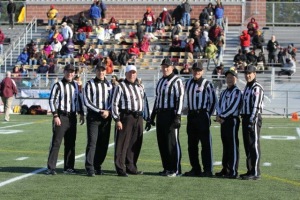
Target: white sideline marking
(16,125)
(218,163)
(298,131)
(267,164)
(22,158)
(45,168)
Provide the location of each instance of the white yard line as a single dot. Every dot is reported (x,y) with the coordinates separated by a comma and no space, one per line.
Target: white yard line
(16,125)
(45,168)
(298,131)
(22,158)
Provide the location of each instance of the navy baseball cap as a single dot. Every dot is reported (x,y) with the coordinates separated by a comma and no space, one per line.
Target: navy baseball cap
(69,67)
(197,66)
(167,62)
(100,66)
(250,69)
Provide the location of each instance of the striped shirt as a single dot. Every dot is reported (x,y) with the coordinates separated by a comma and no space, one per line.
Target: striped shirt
(200,95)
(230,102)
(169,94)
(253,97)
(97,95)
(65,96)
(130,97)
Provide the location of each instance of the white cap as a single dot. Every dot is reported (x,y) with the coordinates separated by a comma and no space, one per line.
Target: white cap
(165,9)
(130,67)
(63,24)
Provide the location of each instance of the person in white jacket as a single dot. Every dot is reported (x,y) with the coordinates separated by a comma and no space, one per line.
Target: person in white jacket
(56,47)
(289,68)
(100,32)
(66,31)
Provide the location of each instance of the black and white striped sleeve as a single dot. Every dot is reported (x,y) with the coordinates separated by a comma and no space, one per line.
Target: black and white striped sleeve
(179,88)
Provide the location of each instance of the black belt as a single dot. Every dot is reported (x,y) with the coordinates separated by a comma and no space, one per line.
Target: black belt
(245,116)
(136,114)
(159,110)
(195,112)
(231,117)
(65,113)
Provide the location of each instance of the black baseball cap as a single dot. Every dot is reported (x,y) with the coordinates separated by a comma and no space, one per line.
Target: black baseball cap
(197,66)
(69,67)
(100,66)
(250,69)
(232,72)
(167,62)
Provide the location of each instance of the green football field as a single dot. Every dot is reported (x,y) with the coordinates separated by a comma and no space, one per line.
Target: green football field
(24,143)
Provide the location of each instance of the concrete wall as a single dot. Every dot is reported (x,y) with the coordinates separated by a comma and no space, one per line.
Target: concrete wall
(233,12)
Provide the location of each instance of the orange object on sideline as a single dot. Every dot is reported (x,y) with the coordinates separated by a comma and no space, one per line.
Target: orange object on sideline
(295,117)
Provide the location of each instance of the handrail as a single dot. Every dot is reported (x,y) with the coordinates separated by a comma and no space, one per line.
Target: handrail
(32,26)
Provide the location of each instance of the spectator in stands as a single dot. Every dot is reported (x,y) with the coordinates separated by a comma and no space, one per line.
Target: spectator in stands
(196,27)
(80,38)
(252,27)
(52,15)
(149,20)
(185,70)
(210,53)
(134,51)
(23,58)
(100,33)
(214,32)
(47,49)
(176,44)
(186,13)
(102,7)
(261,62)
(11,10)
(66,31)
(57,35)
(145,44)
(114,81)
(68,20)
(139,32)
(289,68)
(219,13)
(0,8)
(51,33)
(56,47)
(16,72)
(251,58)
(95,14)
(189,49)
(240,60)
(204,17)
(258,41)
(33,58)
(41,72)
(177,15)
(109,65)
(112,24)
(31,47)
(197,42)
(82,21)
(291,50)
(245,40)
(2,37)
(220,44)
(177,29)
(23,71)
(218,78)
(123,57)
(204,38)
(166,18)
(272,47)
(113,57)
(211,10)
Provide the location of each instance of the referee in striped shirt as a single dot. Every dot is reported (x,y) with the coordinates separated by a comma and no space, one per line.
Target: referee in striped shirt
(97,99)
(253,97)
(168,106)
(228,111)
(129,107)
(201,101)
(65,101)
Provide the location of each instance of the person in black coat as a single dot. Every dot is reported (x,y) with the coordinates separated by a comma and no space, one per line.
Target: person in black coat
(139,32)
(204,17)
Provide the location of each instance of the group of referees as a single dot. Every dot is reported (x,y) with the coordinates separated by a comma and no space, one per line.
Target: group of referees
(127,105)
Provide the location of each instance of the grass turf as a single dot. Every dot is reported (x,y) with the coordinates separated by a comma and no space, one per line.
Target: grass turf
(280,176)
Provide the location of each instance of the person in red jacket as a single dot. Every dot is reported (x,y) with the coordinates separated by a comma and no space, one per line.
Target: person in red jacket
(2,37)
(149,20)
(245,40)
(134,51)
(8,89)
(252,27)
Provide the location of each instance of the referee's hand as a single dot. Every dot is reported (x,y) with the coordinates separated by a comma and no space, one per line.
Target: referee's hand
(119,126)
(148,126)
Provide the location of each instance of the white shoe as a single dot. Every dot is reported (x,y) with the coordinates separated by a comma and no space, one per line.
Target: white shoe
(171,174)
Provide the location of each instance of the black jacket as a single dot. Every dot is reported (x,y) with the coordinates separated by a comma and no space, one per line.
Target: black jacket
(11,8)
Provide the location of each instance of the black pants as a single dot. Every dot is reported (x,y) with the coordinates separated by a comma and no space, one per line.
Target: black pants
(67,130)
(168,141)
(198,130)
(98,133)
(252,145)
(128,143)
(230,140)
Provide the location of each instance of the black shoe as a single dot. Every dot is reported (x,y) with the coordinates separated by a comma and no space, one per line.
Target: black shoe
(70,171)
(193,173)
(206,174)
(251,177)
(99,172)
(221,173)
(163,173)
(246,174)
(123,174)
(135,173)
(230,176)
(50,172)
(90,173)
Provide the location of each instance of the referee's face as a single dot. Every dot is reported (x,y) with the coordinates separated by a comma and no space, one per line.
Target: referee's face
(249,76)
(230,80)
(197,74)
(69,75)
(100,73)
(131,76)
(166,70)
